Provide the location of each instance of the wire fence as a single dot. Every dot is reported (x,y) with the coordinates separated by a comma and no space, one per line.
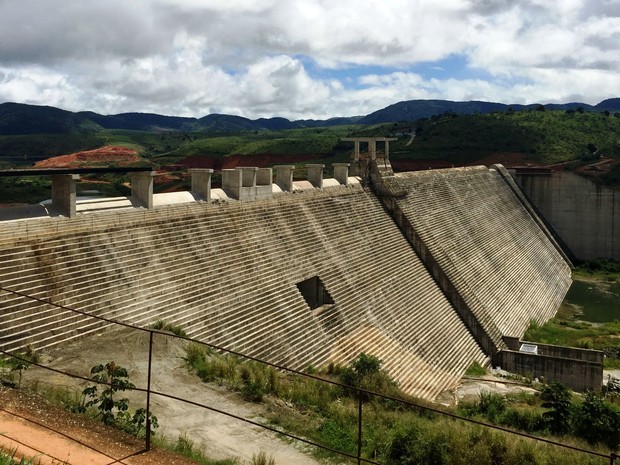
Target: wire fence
(361,394)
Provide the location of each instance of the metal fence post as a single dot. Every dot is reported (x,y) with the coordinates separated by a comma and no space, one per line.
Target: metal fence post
(148,394)
(359,427)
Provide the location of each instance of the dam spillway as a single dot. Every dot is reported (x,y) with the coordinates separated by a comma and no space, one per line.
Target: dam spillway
(297,278)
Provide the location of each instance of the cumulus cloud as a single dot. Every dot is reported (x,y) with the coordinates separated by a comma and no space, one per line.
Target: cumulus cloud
(271,57)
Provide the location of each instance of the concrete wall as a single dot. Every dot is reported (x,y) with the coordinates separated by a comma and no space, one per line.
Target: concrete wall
(227,273)
(483,247)
(585,215)
(579,375)
(579,369)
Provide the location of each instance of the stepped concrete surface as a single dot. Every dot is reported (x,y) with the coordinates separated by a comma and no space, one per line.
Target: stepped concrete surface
(488,253)
(228,273)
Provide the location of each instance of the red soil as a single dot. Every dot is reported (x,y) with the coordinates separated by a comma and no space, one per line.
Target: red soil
(508,159)
(110,154)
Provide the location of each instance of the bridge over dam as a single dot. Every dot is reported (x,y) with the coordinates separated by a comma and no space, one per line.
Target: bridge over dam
(429,271)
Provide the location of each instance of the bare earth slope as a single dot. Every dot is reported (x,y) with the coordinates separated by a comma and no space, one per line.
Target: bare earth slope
(220,436)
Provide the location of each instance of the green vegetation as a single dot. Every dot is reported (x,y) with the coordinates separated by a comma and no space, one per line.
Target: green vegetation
(593,418)
(475,369)
(601,268)
(572,333)
(27,189)
(185,446)
(14,459)
(163,325)
(393,432)
(112,410)
(25,150)
(12,366)
(542,136)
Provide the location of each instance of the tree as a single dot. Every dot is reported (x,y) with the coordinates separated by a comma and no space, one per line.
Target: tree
(365,372)
(558,399)
(598,422)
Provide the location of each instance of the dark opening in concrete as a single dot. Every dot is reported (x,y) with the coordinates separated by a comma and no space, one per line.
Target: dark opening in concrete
(314,293)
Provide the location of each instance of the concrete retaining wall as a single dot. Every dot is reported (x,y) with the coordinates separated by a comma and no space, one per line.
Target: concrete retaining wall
(579,375)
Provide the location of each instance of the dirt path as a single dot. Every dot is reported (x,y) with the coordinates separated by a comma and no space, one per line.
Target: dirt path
(33,428)
(219,436)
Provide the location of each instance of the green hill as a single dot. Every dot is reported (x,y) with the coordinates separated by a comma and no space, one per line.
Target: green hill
(544,137)
(481,130)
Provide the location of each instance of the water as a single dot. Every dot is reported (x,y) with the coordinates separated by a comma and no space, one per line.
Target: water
(599,302)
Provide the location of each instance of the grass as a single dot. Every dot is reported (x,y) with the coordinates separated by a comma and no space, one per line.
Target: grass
(163,325)
(12,459)
(186,447)
(392,432)
(475,369)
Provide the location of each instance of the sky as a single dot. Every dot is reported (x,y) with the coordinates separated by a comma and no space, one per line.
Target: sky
(303,59)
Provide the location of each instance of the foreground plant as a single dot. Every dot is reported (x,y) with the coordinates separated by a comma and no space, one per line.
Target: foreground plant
(112,410)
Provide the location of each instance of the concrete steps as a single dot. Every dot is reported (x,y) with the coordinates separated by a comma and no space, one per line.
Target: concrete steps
(227,273)
(487,245)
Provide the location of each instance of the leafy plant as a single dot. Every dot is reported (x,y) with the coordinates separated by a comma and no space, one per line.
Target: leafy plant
(365,372)
(558,399)
(114,411)
(598,422)
(20,362)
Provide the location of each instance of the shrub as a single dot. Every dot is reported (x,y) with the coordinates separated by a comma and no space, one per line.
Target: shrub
(598,422)
(114,411)
(365,372)
(163,325)
(412,446)
(558,399)
(475,369)
(491,405)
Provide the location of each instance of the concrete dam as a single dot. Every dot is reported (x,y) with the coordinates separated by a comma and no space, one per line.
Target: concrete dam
(584,214)
(429,271)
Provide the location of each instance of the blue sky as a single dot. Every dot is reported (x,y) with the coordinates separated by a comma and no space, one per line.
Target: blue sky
(304,58)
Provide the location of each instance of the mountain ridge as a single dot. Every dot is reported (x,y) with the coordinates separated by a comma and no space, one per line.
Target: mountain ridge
(24,119)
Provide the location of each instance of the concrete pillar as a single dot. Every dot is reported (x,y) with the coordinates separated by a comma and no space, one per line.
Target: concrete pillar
(315,175)
(201,183)
(284,177)
(372,149)
(231,182)
(142,188)
(341,173)
(241,183)
(356,151)
(64,193)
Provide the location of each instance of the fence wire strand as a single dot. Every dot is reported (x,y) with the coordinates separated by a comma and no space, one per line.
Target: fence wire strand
(612,456)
